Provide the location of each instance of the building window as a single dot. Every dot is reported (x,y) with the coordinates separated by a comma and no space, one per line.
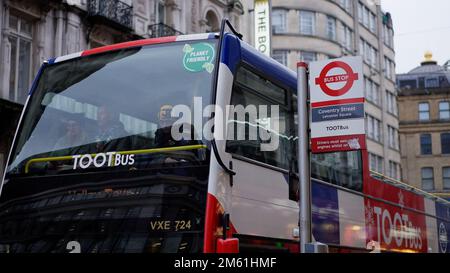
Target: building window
(389,68)
(346,5)
(369,52)
(407,84)
(444,110)
(393,137)
(160,11)
(20,55)
(391,101)
(388,34)
(212,22)
(446,177)
(426,144)
(427,179)
(431,83)
(361,47)
(373,23)
(391,37)
(424,111)
(421,82)
(308,56)
(367,18)
(281,56)
(372,91)
(394,170)
(445,143)
(307,22)
(279,21)
(373,128)
(348,38)
(360,12)
(366,13)
(331,28)
(376,163)
(373,57)
(385,34)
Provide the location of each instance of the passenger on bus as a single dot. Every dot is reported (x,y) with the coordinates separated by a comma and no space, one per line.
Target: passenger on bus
(111,134)
(71,143)
(163,135)
(73,137)
(164,139)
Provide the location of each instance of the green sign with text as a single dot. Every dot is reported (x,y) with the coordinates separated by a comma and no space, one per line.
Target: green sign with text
(198,57)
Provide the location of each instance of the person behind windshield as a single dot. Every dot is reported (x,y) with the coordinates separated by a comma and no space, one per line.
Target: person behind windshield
(163,135)
(73,137)
(71,143)
(111,133)
(164,139)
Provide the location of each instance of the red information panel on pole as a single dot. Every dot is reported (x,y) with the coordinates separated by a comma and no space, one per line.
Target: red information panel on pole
(337,105)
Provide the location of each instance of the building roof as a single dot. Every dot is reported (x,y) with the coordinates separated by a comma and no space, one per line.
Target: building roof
(429,75)
(428,68)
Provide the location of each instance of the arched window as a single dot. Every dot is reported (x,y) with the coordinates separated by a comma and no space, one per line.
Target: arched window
(212,22)
(160,11)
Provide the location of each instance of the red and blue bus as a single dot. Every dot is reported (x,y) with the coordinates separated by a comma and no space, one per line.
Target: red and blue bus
(93,167)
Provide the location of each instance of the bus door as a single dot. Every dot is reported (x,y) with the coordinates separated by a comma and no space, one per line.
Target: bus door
(260,141)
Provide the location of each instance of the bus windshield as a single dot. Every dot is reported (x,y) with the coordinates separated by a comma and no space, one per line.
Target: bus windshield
(95,168)
(112,110)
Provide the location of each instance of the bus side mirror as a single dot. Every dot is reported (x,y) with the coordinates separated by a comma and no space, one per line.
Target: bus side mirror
(293,182)
(229,245)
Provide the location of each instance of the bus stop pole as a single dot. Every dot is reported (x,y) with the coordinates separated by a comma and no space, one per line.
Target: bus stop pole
(304,157)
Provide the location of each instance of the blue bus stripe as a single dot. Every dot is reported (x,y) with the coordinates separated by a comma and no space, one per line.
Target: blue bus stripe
(36,79)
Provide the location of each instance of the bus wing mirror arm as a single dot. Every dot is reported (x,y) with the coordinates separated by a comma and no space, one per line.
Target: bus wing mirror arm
(293,182)
(227,244)
(219,160)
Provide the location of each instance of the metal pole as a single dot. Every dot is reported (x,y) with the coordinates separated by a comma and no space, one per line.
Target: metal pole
(303,156)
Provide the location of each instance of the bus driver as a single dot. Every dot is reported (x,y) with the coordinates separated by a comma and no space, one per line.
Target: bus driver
(110,135)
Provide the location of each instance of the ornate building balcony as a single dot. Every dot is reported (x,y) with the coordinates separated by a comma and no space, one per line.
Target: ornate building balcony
(162,30)
(114,12)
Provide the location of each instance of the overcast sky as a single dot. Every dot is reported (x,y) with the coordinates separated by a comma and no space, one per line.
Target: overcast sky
(419,25)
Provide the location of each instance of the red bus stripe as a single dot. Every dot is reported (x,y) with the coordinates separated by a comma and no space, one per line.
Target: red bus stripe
(102,49)
(213,212)
(337,102)
(211,224)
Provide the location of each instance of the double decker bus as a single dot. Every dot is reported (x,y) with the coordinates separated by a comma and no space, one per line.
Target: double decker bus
(94,166)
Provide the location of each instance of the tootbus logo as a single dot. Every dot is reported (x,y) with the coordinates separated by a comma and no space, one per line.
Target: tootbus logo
(337,128)
(99,160)
(398,229)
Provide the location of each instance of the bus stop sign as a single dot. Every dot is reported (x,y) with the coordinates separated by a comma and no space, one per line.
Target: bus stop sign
(337,105)
(324,79)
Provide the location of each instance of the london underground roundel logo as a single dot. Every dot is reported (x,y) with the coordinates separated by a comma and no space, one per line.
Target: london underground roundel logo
(325,79)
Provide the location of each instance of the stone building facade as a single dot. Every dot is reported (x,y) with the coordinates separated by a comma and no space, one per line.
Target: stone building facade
(424,106)
(35,30)
(310,30)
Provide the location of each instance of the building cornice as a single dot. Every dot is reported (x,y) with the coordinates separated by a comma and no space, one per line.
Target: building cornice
(423,92)
(412,127)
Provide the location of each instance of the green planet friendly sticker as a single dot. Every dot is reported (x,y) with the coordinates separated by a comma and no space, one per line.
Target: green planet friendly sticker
(198,57)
